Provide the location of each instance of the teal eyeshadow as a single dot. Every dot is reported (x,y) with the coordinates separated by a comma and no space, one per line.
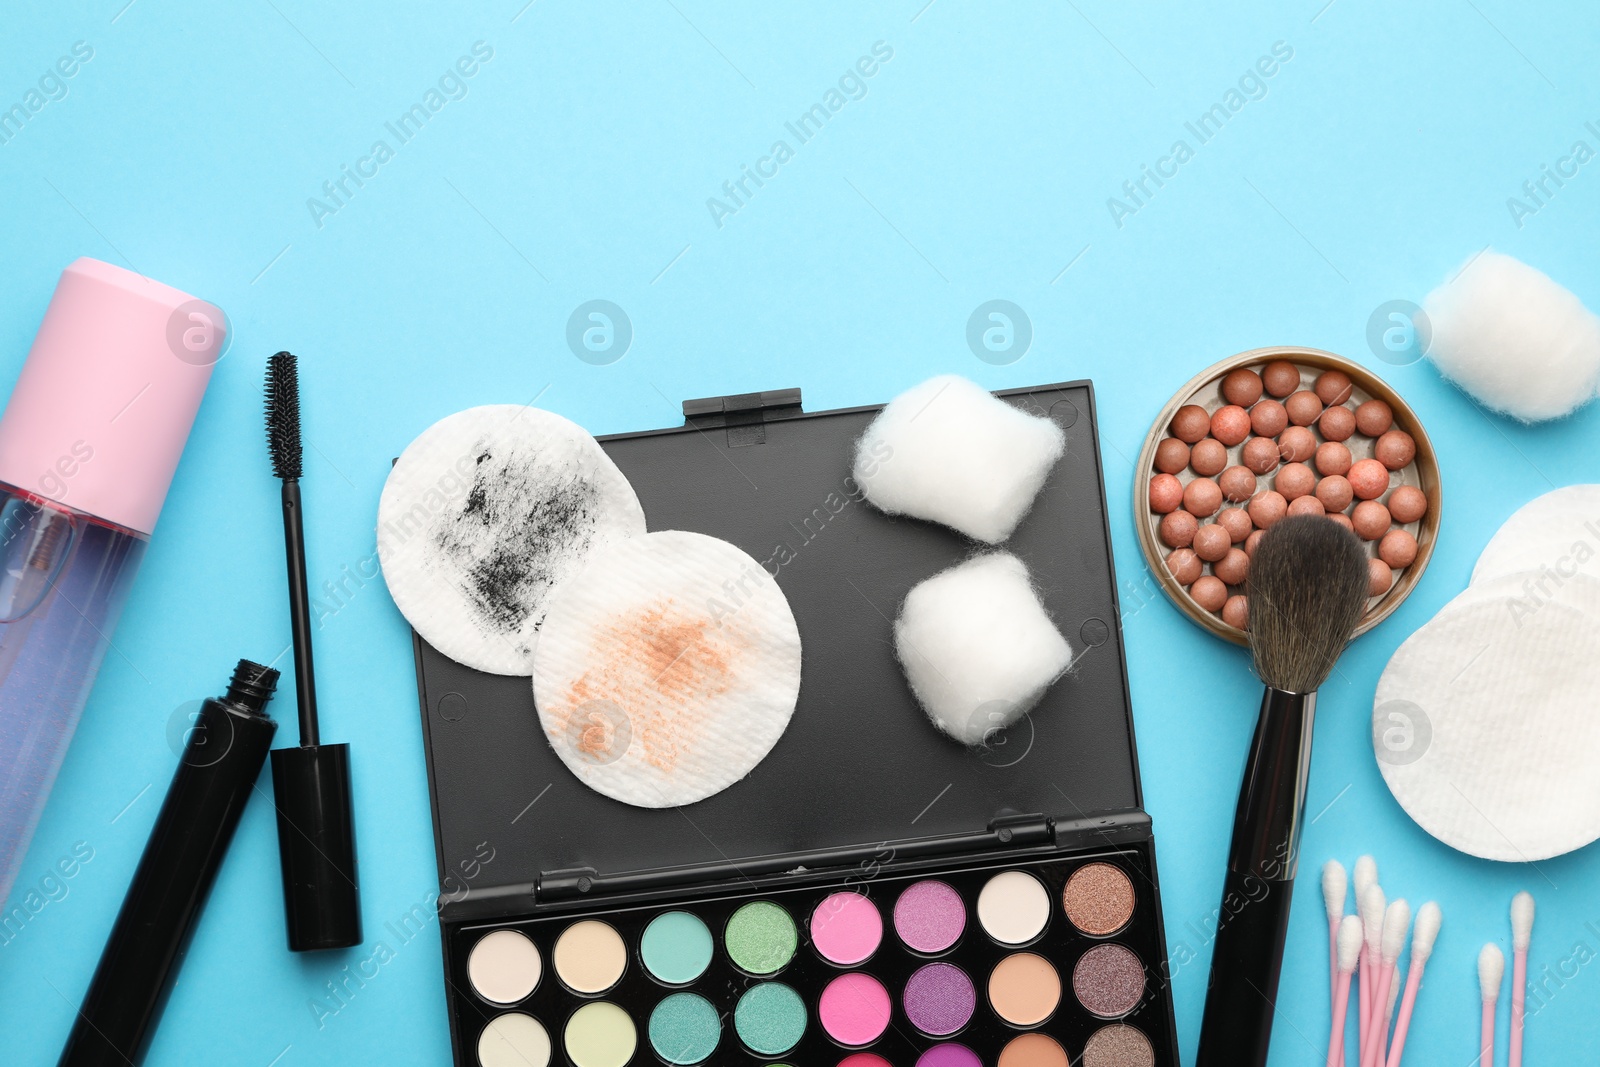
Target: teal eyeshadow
(676,948)
(684,1029)
(770,1018)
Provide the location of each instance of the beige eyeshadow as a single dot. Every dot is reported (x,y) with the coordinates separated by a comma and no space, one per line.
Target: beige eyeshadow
(1099,899)
(1013,907)
(504,967)
(1033,1050)
(590,957)
(1024,989)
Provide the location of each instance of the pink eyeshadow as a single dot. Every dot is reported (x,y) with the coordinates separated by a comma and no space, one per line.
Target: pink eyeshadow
(929,917)
(846,928)
(854,1009)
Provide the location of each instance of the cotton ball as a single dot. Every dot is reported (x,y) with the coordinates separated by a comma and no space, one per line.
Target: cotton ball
(1514,339)
(977,646)
(950,451)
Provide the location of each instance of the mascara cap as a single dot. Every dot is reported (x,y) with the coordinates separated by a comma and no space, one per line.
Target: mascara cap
(317,846)
(110,389)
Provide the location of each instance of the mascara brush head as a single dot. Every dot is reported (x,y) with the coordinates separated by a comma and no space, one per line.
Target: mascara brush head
(1308,588)
(283,415)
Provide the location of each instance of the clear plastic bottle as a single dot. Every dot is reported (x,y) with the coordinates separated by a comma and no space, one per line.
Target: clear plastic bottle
(89,441)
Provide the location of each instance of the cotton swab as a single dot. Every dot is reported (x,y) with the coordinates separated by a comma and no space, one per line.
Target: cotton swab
(1391,942)
(1424,934)
(1388,1013)
(1372,904)
(1347,948)
(1364,877)
(1335,883)
(1491,972)
(1521,935)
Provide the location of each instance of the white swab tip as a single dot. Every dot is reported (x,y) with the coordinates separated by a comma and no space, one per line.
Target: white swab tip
(1396,924)
(1349,943)
(1373,905)
(1521,921)
(1491,971)
(1429,918)
(1365,874)
(1335,883)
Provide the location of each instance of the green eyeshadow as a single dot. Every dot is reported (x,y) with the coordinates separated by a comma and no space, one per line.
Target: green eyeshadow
(684,1029)
(676,948)
(770,1018)
(761,938)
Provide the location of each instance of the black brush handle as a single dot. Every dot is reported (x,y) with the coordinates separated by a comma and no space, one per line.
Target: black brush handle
(1253,922)
(294,550)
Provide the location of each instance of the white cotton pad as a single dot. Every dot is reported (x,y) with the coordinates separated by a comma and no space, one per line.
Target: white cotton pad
(977,646)
(1514,339)
(950,451)
(482,518)
(667,669)
(1549,538)
(1484,721)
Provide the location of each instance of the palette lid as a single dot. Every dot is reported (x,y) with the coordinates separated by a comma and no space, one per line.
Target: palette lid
(860,770)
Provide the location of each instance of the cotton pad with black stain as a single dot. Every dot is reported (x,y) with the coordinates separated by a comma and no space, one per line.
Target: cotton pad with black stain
(951,452)
(484,516)
(667,669)
(977,646)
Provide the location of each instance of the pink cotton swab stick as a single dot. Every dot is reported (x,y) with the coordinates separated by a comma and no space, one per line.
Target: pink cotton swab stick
(1491,972)
(1372,905)
(1521,935)
(1363,878)
(1388,1014)
(1392,942)
(1335,884)
(1424,934)
(1347,949)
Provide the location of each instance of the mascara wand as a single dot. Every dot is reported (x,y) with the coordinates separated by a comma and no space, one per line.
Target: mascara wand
(311,783)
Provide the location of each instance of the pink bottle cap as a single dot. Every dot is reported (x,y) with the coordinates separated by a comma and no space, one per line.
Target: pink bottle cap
(105,401)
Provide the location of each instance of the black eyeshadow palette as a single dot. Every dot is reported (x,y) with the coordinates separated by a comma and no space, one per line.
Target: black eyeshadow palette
(872,894)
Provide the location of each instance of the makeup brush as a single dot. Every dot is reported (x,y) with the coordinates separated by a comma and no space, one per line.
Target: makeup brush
(310,783)
(1335,883)
(1371,905)
(1347,950)
(1491,971)
(1521,935)
(1423,935)
(1308,588)
(1396,924)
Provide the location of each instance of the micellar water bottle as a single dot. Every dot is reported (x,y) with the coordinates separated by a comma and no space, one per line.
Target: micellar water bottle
(88,444)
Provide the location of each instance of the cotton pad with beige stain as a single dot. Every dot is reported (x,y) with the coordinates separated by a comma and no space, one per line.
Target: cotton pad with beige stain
(666,669)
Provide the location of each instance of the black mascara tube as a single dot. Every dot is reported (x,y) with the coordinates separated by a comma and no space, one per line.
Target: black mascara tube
(221,760)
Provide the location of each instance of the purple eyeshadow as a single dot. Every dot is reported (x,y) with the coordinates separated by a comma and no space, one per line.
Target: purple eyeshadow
(939,999)
(930,917)
(949,1056)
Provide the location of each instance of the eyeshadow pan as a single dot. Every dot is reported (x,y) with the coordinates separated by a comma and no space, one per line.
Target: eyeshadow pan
(1109,981)
(684,1029)
(676,947)
(590,956)
(1099,899)
(1033,1050)
(1013,907)
(504,967)
(1024,989)
(930,917)
(1118,1046)
(770,1018)
(846,928)
(600,1034)
(514,1040)
(939,999)
(864,1059)
(949,1055)
(761,938)
(854,1009)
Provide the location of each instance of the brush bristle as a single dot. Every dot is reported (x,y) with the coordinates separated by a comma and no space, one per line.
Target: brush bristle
(1308,588)
(283,415)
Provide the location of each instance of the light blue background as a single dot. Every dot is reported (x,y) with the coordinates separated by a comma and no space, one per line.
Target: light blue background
(578,166)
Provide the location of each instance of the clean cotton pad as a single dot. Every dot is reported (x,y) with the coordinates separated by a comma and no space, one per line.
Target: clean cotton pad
(1548,539)
(1517,341)
(1484,721)
(977,646)
(667,669)
(484,516)
(950,451)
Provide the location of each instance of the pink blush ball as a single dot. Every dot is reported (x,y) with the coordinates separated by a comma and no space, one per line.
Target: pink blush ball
(1230,424)
(1369,478)
(1177,529)
(1237,522)
(1337,424)
(1237,483)
(1166,493)
(1379,577)
(1211,542)
(1297,444)
(1260,454)
(1294,480)
(1267,508)
(1209,592)
(1370,519)
(1172,456)
(1398,549)
(1306,505)
(1395,449)
(1335,493)
(1236,612)
(1202,498)
(1184,566)
(1208,457)
(1233,568)
(1268,418)
(1333,458)
(1408,503)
